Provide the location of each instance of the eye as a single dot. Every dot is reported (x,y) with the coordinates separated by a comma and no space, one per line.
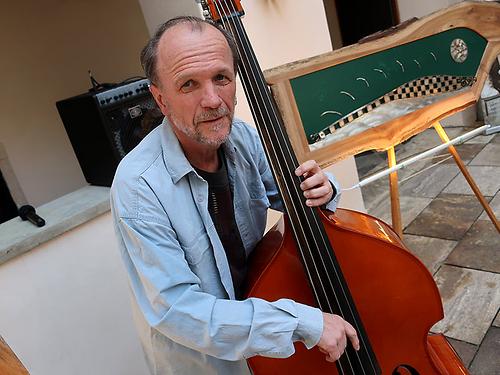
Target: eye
(222,79)
(187,86)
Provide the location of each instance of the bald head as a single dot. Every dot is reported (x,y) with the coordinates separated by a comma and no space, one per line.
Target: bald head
(149,54)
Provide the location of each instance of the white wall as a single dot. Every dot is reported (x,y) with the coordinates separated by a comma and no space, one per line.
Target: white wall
(411,8)
(158,11)
(65,306)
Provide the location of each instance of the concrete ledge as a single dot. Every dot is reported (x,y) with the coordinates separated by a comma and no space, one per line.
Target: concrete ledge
(61,215)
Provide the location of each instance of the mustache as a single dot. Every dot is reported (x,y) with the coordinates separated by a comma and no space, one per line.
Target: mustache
(212,114)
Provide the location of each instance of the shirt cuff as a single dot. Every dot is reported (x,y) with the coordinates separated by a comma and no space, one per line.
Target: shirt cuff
(310,325)
(337,191)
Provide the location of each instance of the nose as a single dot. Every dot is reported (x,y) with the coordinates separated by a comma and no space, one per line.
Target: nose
(210,98)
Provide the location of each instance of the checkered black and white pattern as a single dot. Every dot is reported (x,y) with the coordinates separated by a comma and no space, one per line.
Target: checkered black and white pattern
(425,86)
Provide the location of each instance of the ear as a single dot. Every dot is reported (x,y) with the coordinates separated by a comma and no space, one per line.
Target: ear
(159,98)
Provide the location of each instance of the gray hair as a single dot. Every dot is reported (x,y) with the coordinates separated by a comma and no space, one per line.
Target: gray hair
(149,53)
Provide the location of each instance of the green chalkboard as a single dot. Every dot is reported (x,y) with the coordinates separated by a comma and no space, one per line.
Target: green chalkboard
(349,86)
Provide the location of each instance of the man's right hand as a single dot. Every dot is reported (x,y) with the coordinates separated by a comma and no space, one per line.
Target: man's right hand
(333,340)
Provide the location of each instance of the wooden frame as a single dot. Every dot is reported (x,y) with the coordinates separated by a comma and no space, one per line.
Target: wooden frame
(483,18)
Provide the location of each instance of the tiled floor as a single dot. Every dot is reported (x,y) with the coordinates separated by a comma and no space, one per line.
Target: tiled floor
(446,227)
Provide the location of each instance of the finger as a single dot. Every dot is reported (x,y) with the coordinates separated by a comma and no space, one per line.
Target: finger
(352,335)
(314,180)
(320,200)
(330,359)
(317,202)
(317,192)
(333,356)
(309,166)
(342,343)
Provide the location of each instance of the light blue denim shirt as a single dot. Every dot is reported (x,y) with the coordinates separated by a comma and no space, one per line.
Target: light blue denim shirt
(189,322)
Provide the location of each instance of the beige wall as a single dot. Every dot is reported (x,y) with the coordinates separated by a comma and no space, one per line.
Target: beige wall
(65,308)
(47,48)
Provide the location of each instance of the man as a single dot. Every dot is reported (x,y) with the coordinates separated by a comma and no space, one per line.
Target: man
(189,204)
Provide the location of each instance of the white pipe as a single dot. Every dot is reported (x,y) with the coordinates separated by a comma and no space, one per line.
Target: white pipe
(492,130)
(460,139)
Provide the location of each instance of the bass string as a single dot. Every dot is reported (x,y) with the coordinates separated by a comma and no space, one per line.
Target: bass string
(261,116)
(258,112)
(288,155)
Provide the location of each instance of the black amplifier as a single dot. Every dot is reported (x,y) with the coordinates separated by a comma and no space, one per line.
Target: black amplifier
(103,126)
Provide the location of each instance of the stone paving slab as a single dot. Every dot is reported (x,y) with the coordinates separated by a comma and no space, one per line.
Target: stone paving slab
(430,183)
(480,138)
(455,131)
(486,177)
(411,207)
(431,251)
(464,350)
(376,194)
(496,322)
(419,143)
(467,152)
(479,249)
(448,216)
(487,359)
(370,161)
(495,206)
(489,155)
(471,300)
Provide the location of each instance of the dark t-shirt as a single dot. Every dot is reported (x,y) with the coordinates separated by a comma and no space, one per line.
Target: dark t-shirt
(220,206)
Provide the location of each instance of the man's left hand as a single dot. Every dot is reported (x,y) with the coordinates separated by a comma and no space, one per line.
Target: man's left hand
(316,186)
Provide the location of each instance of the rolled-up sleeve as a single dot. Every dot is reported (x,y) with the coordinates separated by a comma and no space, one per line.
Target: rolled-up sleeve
(172,301)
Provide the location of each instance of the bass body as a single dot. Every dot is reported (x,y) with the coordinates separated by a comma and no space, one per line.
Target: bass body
(392,290)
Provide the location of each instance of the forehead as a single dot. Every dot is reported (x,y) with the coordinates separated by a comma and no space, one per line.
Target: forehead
(183,48)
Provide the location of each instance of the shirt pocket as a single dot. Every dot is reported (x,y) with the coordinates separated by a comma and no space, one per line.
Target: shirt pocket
(198,249)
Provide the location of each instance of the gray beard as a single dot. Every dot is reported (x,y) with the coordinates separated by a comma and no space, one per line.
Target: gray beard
(195,133)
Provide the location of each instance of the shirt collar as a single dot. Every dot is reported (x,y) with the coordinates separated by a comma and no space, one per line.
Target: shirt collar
(173,156)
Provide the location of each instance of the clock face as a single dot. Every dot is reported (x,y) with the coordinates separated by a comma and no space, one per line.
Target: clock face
(458,50)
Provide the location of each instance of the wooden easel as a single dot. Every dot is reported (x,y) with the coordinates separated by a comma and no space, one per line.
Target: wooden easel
(322,97)
(394,189)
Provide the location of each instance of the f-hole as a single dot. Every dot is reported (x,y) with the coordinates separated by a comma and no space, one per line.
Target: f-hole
(405,370)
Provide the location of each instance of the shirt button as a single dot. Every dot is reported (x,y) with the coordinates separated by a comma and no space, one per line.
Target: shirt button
(200,199)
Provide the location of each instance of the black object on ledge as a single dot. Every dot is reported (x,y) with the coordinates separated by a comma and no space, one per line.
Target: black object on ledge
(28,212)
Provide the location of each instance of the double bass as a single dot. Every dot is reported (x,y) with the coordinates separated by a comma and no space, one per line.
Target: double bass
(347,263)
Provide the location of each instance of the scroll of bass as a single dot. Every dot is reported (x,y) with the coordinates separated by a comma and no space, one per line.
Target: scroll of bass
(348,264)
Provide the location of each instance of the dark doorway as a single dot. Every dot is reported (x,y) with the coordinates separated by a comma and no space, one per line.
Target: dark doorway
(356,19)
(8,208)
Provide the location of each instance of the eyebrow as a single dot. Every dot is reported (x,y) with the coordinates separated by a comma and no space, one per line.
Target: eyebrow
(182,78)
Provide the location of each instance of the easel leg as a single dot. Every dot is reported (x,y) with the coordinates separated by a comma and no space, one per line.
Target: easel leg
(393,184)
(444,137)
